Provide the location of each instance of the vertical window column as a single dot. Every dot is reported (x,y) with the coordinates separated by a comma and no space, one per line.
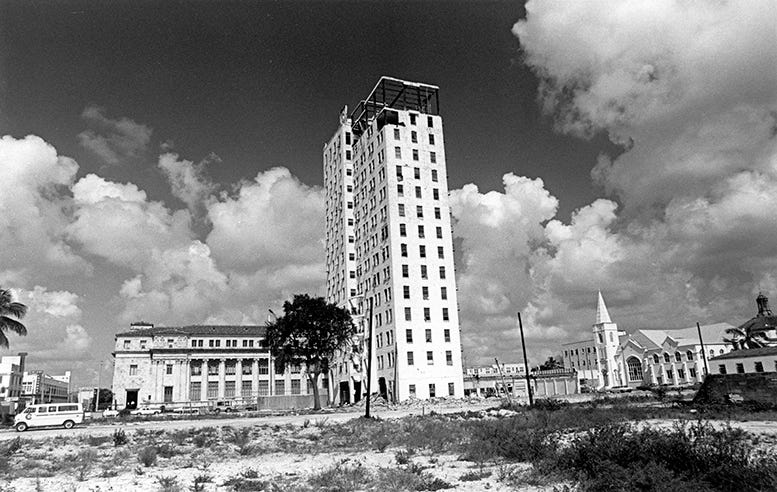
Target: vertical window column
(222,377)
(239,378)
(204,377)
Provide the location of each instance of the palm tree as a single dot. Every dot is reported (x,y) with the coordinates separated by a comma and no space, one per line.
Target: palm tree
(10,308)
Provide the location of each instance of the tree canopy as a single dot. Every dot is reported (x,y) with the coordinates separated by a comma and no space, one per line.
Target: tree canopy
(9,309)
(309,334)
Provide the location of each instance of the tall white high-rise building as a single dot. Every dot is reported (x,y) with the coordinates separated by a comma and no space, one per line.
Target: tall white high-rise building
(389,244)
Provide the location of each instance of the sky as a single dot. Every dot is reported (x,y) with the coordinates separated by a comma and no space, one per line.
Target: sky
(158,159)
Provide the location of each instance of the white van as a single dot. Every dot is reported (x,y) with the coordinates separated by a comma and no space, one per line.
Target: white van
(50,414)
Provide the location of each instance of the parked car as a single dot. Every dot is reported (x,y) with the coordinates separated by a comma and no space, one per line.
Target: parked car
(47,415)
(145,411)
(110,413)
(187,410)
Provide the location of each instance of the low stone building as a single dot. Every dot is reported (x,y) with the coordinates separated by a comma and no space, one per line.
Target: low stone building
(201,364)
(748,361)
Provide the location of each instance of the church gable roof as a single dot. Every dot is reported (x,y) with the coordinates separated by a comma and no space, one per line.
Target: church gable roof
(656,339)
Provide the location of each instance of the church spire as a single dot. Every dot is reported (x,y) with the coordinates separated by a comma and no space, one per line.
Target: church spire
(602,316)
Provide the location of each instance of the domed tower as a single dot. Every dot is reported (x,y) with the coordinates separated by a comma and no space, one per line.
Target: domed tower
(606,339)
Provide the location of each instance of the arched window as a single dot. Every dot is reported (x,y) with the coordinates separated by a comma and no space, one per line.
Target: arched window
(721,352)
(635,369)
(666,357)
(655,358)
(689,354)
(678,357)
(712,353)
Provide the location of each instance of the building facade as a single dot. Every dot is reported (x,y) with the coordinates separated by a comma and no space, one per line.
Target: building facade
(614,358)
(176,366)
(389,245)
(11,376)
(39,387)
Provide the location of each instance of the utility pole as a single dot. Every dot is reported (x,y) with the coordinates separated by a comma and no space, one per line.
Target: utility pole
(525,363)
(99,381)
(504,385)
(703,352)
(369,363)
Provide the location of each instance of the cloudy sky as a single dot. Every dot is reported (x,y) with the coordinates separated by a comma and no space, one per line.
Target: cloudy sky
(161,161)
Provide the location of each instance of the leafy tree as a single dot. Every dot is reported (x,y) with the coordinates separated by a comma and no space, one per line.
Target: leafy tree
(309,334)
(105,399)
(551,363)
(10,308)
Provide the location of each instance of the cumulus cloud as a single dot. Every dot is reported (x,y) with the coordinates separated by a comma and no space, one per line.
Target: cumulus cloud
(687,231)
(689,87)
(55,337)
(255,228)
(34,203)
(55,225)
(113,140)
(188,180)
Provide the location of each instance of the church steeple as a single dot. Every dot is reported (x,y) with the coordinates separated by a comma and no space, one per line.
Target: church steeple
(602,316)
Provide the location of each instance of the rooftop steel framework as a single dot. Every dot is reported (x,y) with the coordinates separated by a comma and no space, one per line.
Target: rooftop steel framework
(395,94)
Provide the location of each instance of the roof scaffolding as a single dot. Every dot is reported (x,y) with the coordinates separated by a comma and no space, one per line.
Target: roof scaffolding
(395,94)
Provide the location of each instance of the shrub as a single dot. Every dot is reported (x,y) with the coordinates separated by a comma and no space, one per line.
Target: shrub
(550,404)
(83,463)
(166,450)
(474,476)
(179,437)
(147,456)
(342,477)
(168,484)
(403,456)
(697,457)
(11,447)
(240,438)
(514,438)
(199,482)
(119,437)
(247,481)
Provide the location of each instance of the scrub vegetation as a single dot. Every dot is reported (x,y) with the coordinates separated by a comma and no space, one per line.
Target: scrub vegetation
(599,446)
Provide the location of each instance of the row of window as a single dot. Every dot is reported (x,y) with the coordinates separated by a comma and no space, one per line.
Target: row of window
(416,174)
(427,314)
(198,343)
(421,231)
(428,333)
(419,211)
(262,389)
(413,135)
(387,361)
(758,366)
(418,192)
(433,390)
(416,155)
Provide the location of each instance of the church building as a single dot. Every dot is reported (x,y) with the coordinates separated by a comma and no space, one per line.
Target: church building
(613,358)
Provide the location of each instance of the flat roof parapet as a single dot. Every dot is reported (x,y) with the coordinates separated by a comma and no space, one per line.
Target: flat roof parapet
(394,93)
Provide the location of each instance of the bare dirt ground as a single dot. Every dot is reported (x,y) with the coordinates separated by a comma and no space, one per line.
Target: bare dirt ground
(86,459)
